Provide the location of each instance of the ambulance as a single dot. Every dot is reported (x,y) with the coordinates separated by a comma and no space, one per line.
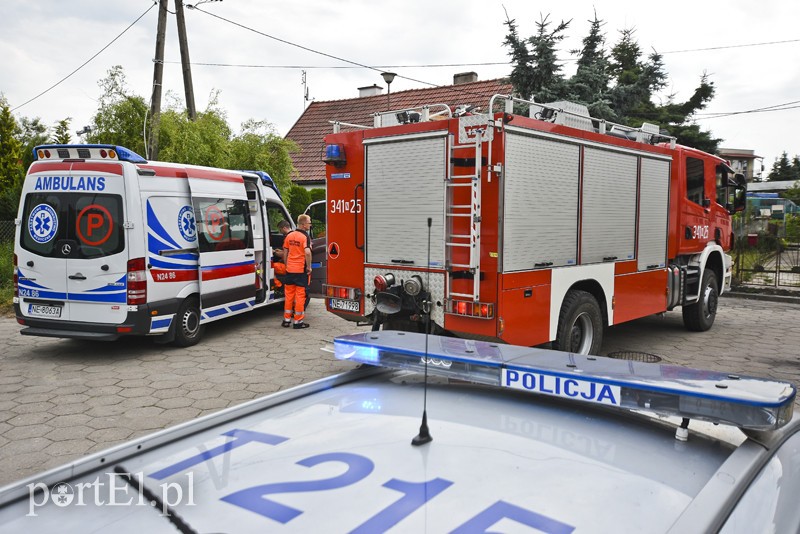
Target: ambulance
(109,244)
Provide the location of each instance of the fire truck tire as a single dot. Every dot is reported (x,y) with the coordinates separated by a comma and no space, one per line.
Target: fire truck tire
(188,329)
(699,317)
(580,324)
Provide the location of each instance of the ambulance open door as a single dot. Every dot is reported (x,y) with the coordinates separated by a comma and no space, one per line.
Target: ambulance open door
(225,241)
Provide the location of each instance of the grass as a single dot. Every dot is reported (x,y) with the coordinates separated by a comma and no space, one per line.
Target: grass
(6,276)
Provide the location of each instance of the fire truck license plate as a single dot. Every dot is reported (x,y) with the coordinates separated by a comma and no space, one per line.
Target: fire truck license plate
(346,305)
(40,310)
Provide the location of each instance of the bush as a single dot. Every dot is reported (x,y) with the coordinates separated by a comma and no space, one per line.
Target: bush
(6,274)
(299,199)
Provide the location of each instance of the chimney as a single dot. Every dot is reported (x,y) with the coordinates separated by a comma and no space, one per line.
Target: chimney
(465,77)
(370,90)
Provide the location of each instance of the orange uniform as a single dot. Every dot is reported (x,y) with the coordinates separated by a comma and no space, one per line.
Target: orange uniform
(297,254)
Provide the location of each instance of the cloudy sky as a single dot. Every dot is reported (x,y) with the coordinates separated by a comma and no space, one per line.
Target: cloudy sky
(750,50)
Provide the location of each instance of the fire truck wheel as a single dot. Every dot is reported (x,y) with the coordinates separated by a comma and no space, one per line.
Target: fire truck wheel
(699,317)
(580,324)
(188,329)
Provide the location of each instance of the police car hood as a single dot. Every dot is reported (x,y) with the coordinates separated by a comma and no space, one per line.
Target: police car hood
(341,460)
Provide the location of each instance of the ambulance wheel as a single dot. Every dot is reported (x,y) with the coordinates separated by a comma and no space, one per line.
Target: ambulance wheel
(580,324)
(188,329)
(699,317)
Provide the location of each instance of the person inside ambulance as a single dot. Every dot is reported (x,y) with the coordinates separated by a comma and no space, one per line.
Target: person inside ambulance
(278,266)
(297,257)
(277,246)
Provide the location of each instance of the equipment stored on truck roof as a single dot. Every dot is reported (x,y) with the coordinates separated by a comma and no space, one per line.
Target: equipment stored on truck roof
(543,228)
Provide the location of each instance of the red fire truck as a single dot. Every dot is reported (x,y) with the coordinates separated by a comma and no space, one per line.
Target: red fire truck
(522,228)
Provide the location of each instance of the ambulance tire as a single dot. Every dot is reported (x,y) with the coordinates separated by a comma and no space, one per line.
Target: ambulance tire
(188,329)
(580,324)
(699,317)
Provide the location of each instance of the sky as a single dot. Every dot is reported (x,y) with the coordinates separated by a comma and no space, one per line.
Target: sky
(241,51)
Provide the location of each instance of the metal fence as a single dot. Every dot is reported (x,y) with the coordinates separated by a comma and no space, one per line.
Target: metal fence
(767,250)
(6,231)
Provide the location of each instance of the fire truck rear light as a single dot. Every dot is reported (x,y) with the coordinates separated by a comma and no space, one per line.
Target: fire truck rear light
(338,292)
(481,310)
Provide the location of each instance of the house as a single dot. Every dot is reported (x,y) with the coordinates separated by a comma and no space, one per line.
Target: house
(743,161)
(315,122)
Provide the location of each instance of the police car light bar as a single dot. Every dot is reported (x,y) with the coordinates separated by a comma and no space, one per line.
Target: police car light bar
(745,402)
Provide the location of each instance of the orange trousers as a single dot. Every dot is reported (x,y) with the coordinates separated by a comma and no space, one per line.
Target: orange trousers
(295,303)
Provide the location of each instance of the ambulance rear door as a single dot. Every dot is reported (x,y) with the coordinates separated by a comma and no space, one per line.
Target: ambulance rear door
(225,241)
(98,264)
(72,250)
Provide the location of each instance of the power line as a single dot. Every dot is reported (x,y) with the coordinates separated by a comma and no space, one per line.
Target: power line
(433,65)
(307,49)
(776,107)
(59,82)
(731,46)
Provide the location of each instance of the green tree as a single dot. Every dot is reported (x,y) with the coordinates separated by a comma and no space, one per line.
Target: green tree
(61,133)
(30,133)
(299,199)
(793,193)
(260,148)
(11,170)
(536,72)
(120,119)
(203,141)
(318,193)
(616,85)
(783,169)
(591,79)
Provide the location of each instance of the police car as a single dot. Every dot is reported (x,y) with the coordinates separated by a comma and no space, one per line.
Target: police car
(436,434)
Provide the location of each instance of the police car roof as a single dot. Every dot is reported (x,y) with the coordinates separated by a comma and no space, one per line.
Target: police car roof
(335,455)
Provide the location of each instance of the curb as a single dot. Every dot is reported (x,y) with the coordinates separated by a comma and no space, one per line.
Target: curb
(762,296)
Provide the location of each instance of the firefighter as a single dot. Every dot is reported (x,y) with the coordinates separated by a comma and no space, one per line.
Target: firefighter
(297,257)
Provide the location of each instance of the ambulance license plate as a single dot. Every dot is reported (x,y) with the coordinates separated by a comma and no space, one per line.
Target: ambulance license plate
(40,310)
(346,305)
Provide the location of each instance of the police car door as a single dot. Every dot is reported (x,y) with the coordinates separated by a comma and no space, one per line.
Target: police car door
(225,241)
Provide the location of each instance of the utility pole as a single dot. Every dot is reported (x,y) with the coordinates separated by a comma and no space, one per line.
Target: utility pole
(158,74)
(185,62)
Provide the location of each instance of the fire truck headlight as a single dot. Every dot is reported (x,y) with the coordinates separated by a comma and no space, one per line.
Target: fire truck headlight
(413,285)
(383,282)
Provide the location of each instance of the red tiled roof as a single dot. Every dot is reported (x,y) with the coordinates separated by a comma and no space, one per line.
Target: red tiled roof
(309,130)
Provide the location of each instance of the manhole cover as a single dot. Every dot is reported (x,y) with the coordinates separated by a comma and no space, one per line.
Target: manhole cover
(634,356)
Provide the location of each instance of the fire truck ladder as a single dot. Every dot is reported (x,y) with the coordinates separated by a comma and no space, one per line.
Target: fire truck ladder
(453,211)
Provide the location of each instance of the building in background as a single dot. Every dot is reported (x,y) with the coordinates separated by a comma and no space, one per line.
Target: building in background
(315,122)
(744,161)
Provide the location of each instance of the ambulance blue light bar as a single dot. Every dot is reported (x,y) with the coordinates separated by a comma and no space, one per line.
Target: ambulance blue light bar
(102,152)
(745,402)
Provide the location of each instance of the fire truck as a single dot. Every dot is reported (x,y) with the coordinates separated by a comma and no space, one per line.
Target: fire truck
(525,228)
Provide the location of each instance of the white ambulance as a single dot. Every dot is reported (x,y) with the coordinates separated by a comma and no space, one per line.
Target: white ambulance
(109,244)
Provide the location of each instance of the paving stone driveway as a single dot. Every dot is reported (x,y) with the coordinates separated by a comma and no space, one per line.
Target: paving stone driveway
(63,399)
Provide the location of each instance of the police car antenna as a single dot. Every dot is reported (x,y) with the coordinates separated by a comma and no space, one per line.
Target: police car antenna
(424,435)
